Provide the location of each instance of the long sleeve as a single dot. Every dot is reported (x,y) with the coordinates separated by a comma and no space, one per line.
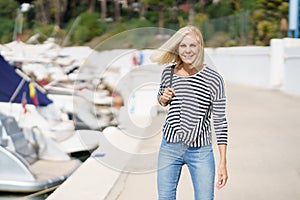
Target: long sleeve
(164,81)
(219,113)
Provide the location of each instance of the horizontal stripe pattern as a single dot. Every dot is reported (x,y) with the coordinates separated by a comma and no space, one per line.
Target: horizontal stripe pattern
(197,97)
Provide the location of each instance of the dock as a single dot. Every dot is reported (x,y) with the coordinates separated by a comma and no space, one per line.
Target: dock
(263,155)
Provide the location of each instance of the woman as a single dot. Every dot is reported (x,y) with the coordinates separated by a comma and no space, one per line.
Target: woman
(193,92)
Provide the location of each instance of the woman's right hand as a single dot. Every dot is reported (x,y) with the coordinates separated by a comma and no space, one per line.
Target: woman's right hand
(167,96)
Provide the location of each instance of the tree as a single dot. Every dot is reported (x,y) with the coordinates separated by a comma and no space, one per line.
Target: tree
(88,27)
(8,9)
(143,9)
(59,11)
(160,6)
(92,5)
(269,20)
(117,10)
(103,9)
(220,9)
(8,13)
(42,11)
(249,5)
(236,4)
(75,8)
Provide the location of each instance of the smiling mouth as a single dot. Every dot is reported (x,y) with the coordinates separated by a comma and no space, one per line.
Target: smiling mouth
(189,57)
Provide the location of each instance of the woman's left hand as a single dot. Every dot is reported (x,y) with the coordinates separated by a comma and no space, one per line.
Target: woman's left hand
(222,176)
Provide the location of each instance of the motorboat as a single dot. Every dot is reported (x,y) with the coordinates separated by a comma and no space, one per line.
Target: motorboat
(15,90)
(22,169)
(80,109)
(61,132)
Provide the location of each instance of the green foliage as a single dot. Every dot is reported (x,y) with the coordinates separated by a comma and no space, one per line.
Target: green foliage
(89,26)
(171,19)
(221,39)
(115,28)
(249,5)
(6,30)
(75,8)
(207,29)
(183,18)
(236,26)
(139,38)
(284,9)
(123,27)
(182,22)
(8,9)
(267,20)
(152,16)
(159,3)
(44,29)
(220,9)
(29,18)
(273,9)
(81,35)
(8,12)
(265,31)
(129,13)
(138,23)
(161,7)
(200,17)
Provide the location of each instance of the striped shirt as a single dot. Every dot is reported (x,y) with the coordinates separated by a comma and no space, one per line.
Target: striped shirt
(196,97)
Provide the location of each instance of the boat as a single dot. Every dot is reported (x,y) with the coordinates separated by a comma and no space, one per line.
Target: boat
(30,105)
(21,169)
(81,108)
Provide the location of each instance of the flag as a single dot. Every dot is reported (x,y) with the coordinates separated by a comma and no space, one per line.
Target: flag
(24,102)
(32,94)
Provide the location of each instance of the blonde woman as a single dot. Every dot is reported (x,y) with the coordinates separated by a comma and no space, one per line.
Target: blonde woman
(194,92)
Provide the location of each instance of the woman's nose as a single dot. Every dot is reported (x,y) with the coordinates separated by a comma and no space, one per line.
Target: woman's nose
(187,49)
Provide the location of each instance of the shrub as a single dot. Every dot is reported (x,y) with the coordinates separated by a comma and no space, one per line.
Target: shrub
(220,39)
(6,30)
(88,27)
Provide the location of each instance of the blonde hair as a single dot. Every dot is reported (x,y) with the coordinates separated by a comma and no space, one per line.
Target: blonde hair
(168,52)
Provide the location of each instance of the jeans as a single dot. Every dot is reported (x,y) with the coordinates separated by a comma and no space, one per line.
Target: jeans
(201,165)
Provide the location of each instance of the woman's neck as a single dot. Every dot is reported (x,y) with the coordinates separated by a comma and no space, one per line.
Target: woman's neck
(186,70)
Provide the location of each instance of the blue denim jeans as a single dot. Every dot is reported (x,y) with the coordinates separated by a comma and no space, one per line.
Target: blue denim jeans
(201,165)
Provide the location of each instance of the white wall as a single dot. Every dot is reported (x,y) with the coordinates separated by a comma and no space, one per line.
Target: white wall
(246,65)
(276,67)
(291,78)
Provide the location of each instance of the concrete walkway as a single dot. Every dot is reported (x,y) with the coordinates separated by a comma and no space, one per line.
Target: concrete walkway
(263,151)
(263,156)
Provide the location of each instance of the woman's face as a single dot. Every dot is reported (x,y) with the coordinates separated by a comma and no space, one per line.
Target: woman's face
(189,49)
